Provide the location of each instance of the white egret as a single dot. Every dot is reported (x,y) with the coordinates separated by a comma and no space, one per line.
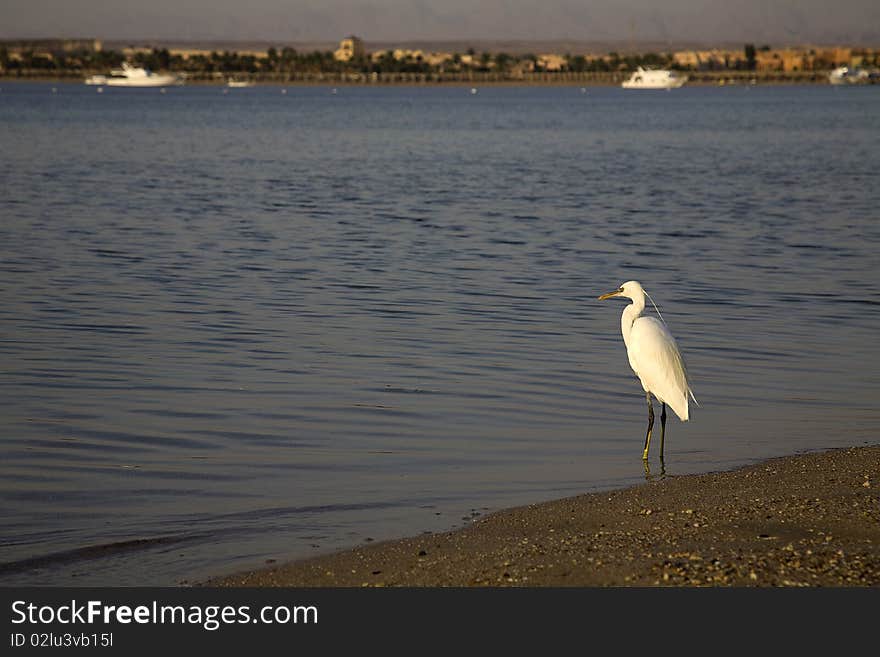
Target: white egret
(655,358)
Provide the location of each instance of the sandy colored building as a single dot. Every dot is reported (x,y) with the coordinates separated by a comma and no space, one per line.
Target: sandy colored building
(131,51)
(708,59)
(768,60)
(351,47)
(686,59)
(795,60)
(188,53)
(842,56)
(401,54)
(551,62)
(807,59)
(438,58)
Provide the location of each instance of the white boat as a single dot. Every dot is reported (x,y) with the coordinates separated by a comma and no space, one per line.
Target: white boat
(846,75)
(651,78)
(133,76)
(239,83)
(839,75)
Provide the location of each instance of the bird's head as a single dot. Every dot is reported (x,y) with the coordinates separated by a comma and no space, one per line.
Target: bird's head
(631,289)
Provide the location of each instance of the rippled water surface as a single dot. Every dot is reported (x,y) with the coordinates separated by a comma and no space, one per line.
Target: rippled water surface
(251,325)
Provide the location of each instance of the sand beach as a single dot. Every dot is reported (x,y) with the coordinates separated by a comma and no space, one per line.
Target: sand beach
(806,520)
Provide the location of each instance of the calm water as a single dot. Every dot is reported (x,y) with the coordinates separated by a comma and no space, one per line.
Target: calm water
(249,326)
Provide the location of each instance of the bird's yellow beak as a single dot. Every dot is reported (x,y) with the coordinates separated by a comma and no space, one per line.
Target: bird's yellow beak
(611,294)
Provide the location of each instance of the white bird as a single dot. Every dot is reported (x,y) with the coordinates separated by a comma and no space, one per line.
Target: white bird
(655,358)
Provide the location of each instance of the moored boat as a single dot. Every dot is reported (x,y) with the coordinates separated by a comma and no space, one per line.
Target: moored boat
(650,78)
(134,76)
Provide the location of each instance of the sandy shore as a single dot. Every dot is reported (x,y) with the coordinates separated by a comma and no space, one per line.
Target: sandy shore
(806,520)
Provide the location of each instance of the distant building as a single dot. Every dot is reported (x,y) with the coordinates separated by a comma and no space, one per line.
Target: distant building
(350,47)
(132,51)
(189,53)
(842,56)
(768,60)
(794,60)
(401,54)
(404,55)
(550,62)
(686,59)
(787,60)
(438,58)
(708,59)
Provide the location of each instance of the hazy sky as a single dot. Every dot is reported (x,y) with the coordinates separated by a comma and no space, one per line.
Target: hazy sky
(771,21)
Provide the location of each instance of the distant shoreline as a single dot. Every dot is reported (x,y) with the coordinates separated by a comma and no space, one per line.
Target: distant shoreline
(587,79)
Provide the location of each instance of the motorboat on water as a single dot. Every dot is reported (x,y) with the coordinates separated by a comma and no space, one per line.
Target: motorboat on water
(134,76)
(232,82)
(847,75)
(840,75)
(652,78)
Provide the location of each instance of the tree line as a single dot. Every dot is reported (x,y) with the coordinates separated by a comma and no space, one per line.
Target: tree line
(288,60)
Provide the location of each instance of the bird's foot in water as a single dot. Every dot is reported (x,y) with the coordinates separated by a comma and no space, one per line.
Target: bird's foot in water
(648,475)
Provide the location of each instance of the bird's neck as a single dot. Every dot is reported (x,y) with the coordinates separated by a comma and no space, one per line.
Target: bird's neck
(630,314)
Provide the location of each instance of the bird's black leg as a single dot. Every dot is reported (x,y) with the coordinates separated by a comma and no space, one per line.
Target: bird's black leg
(650,426)
(662,429)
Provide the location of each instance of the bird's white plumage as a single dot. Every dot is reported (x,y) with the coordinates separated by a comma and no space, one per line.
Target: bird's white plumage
(653,353)
(656,360)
